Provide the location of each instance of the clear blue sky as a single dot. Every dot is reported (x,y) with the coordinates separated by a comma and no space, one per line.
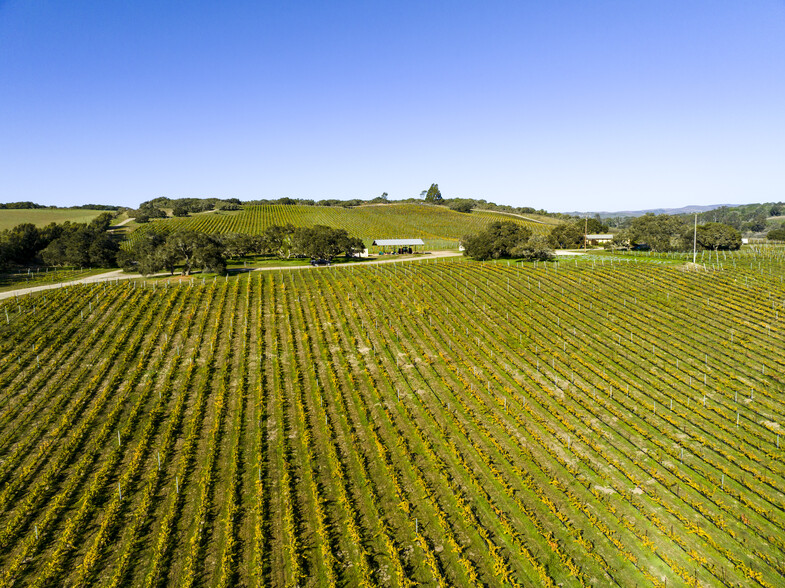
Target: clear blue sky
(562,105)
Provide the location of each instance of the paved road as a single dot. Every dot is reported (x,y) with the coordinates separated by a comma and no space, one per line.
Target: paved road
(121,275)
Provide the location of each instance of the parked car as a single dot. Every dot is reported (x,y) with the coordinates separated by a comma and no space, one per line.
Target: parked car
(315,261)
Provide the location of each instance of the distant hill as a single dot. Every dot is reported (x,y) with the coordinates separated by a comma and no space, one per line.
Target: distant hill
(683,210)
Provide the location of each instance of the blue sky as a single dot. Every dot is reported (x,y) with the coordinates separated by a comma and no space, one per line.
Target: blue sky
(562,105)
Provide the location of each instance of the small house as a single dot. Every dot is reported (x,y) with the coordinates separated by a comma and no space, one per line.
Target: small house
(599,239)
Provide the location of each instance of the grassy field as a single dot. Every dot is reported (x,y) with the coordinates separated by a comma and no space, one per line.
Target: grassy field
(40,217)
(437,226)
(602,420)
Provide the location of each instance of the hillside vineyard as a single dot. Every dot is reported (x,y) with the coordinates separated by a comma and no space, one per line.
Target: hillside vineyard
(439,227)
(602,421)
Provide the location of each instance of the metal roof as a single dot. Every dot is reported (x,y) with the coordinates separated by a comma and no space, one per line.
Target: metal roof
(396,242)
(600,236)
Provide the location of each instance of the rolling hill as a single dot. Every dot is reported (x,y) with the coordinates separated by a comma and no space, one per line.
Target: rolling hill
(438,226)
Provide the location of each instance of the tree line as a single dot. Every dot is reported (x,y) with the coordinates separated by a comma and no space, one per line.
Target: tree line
(88,245)
(650,232)
(747,217)
(666,232)
(68,244)
(154,208)
(753,218)
(191,250)
(26,205)
(663,232)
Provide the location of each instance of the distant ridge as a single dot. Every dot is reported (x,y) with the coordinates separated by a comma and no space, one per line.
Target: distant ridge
(683,210)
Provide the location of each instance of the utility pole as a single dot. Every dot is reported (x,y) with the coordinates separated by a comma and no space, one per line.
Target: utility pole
(695,240)
(585,232)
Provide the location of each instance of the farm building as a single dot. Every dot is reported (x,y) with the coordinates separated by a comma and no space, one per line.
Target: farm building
(397,246)
(599,239)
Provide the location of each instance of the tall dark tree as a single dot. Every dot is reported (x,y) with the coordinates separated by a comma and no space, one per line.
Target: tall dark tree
(434,195)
